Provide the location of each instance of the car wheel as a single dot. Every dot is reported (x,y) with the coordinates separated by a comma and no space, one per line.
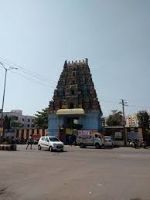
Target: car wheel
(97,146)
(39,147)
(82,145)
(51,149)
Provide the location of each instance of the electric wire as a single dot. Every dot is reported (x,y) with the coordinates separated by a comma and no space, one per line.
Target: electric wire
(38,78)
(30,79)
(31,74)
(129,105)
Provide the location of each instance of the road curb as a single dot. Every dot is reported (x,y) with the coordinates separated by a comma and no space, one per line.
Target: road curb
(8,147)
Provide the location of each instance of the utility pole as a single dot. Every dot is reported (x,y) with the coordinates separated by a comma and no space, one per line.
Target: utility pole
(3,100)
(124,103)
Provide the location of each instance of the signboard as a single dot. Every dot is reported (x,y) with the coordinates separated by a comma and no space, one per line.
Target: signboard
(84,133)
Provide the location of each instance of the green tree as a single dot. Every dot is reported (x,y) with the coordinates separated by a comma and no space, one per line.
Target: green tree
(41,119)
(7,122)
(14,123)
(143,119)
(115,119)
(11,122)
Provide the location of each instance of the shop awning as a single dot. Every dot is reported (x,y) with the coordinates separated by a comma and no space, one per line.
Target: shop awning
(74,111)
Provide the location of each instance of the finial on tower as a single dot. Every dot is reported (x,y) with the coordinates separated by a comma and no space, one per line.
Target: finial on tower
(86,60)
(65,64)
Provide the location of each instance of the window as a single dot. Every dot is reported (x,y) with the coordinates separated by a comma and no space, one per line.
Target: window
(28,120)
(23,119)
(53,139)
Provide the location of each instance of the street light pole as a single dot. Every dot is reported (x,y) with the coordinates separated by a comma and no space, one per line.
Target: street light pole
(4,93)
(3,100)
(124,103)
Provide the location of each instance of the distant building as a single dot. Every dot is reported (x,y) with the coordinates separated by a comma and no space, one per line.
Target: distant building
(132,121)
(26,121)
(75,105)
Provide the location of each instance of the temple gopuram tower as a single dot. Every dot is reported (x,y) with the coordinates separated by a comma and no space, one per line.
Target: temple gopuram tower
(75,105)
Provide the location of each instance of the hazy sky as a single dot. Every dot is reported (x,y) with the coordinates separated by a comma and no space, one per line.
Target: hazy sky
(39,35)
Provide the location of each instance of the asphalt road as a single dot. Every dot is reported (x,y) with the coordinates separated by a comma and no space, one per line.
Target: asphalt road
(76,174)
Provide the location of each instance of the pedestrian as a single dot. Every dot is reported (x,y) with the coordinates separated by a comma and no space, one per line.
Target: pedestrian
(29,142)
(71,140)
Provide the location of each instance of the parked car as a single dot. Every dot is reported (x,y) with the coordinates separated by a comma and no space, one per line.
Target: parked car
(108,141)
(50,143)
(90,140)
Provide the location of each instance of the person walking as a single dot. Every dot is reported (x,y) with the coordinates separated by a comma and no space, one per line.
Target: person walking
(29,142)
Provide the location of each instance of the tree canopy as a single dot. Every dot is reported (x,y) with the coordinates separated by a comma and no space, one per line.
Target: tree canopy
(115,119)
(143,119)
(41,119)
(11,122)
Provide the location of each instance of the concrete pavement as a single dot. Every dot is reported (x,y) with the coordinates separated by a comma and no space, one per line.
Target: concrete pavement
(76,174)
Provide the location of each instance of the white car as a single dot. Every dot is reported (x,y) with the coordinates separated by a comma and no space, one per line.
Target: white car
(50,143)
(108,141)
(88,140)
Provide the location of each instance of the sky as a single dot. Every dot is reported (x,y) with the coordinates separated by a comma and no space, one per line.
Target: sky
(37,36)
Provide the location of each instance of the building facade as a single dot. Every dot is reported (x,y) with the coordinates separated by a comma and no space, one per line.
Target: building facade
(132,121)
(75,105)
(25,121)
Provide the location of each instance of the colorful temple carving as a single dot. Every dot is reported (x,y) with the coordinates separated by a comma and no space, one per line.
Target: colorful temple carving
(75,104)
